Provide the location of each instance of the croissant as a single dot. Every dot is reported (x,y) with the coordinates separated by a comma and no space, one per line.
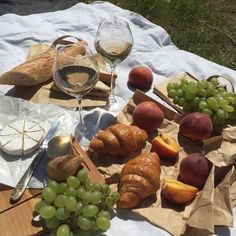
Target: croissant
(118,140)
(140,178)
(38,69)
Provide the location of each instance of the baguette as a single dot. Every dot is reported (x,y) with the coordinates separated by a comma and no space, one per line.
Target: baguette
(38,69)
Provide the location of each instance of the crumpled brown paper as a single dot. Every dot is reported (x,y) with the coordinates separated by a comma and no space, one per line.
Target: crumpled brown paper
(212,206)
(44,93)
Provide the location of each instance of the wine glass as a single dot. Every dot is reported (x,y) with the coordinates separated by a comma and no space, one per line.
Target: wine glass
(75,72)
(114,42)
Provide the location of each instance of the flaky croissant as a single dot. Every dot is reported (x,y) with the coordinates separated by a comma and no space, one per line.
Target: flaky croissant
(118,140)
(140,178)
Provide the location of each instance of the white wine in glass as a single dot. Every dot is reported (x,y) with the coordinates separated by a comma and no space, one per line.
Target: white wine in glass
(76,74)
(114,42)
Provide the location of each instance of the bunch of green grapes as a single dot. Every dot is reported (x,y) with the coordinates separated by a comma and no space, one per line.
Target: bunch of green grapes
(77,205)
(206,97)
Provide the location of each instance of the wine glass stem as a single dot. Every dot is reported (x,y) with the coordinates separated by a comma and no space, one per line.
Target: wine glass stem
(112,96)
(81,126)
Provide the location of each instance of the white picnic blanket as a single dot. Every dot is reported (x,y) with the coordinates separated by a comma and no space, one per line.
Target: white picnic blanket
(152,47)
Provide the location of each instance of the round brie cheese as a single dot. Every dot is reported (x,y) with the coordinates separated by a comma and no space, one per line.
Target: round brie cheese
(21,137)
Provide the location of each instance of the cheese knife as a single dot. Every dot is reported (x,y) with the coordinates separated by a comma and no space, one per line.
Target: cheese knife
(18,191)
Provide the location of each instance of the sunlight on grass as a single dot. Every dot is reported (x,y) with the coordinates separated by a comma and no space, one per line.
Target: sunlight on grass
(204,27)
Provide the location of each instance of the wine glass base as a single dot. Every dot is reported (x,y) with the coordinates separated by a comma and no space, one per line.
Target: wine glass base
(116,104)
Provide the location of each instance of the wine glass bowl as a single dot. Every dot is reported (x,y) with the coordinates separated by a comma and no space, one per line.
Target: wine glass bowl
(114,42)
(75,72)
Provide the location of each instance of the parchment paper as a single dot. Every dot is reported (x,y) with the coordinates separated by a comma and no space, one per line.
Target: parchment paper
(212,206)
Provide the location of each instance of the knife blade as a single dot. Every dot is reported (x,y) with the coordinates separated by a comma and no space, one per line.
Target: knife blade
(18,191)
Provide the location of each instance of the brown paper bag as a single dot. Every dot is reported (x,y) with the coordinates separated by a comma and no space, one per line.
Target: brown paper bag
(212,206)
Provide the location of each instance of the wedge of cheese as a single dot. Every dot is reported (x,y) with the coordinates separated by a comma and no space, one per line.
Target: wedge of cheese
(21,137)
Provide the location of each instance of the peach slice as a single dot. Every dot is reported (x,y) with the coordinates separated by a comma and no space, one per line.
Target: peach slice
(178,192)
(165,146)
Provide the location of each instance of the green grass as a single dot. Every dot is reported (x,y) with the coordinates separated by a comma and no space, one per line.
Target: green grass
(204,27)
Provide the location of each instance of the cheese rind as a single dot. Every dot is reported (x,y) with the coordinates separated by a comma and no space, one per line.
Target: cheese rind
(21,137)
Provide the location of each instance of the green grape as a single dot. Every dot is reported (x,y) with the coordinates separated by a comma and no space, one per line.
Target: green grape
(172,93)
(48,194)
(176,85)
(214,82)
(47,212)
(79,207)
(211,91)
(63,230)
(53,232)
(115,196)
(60,200)
(62,213)
(228,108)
(71,191)
(94,226)
(80,192)
(73,182)
(90,186)
(196,101)
(53,223)
(221,89)
(176,100)
(170,86)
(53,185)
(179,93)
(62,187)
(184,87)
(221,113)
(232,115)
(231,99)
(97,186)
(189,95)
(82,175)
(86,197)
(184,82)
(203,105)
(207,111)
(110,201)
(212,102)
(71,203)
(96,197)
(84,223)
(182,102)
(90,211)
(39,205)
(103,223)
(223,103)
(200,85)
(105,214)
(203,92)
(105,188)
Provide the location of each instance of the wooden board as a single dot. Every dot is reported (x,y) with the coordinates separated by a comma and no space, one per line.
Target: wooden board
(161,89)
(16,219)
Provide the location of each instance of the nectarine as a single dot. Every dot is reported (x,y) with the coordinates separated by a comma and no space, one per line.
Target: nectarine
(141,77)
(177,192)
(165,146)
(196,126)
(194,170)
(148,116)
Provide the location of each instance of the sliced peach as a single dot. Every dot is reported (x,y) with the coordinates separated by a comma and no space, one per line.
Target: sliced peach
(178,192)
(165,146)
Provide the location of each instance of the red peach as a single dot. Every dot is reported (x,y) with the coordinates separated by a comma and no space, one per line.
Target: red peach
(196,126)
(141,77)
(148,116)
(194,170)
